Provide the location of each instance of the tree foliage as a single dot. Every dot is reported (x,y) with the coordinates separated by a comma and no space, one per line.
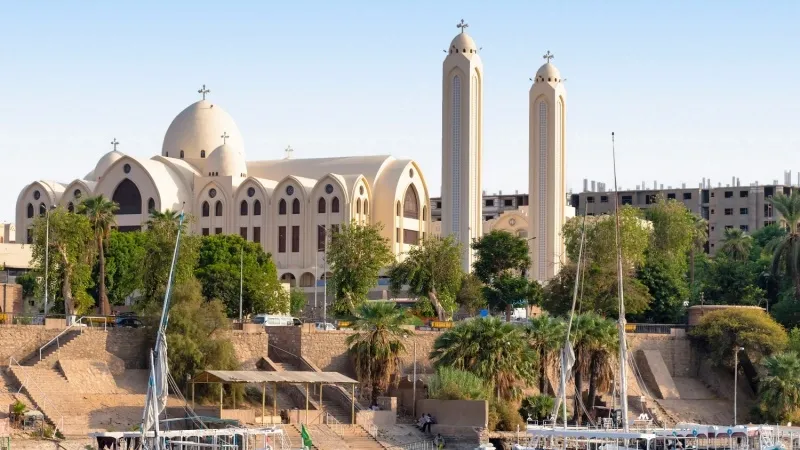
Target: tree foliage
(454,384)
(501,262)
(598,290)
(470,296)
(779,390)
(357,254)
(719,332)
(224,260)
(537,407)
(297,302)
(160,237)
(101,213)
(546,337)
(125,256)
(433,270)
(600,244)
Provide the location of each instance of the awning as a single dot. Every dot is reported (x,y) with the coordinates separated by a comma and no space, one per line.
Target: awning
(258,376)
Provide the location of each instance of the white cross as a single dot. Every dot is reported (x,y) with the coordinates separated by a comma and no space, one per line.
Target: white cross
(289,151)
(224,137)
(548,56)
(115,143)
(203,91)
(463,25)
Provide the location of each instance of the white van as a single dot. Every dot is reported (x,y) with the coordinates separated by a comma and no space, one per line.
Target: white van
(270,320)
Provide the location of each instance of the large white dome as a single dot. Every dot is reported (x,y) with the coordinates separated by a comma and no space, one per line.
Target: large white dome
(198,130)
(226,161)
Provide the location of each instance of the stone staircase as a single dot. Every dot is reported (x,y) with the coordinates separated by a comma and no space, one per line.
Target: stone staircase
(357,437)
(49,391)
(52,349)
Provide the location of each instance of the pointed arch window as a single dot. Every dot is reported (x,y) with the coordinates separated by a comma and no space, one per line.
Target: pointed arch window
(358,206)
(366,206)
(218,209)
(321,206)
(398,209)
(70,207)
(127,196)
(296,206)
(42,209)
(424,213)
(243,208)
(335,205)
(30,211)
(282,207)
(411,203)
(206,209)
(257,208)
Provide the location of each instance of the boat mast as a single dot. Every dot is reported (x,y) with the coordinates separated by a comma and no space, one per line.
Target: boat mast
(623,350)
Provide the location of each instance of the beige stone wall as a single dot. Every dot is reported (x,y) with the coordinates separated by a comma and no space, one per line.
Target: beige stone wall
(120,348)
(676,351)
(248,347)
(21,341)
(11,298)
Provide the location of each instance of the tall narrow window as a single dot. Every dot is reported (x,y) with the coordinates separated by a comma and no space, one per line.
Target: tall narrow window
(151,205)
(296,206)
(42,209)
(455,161)
(204,232)
(217,230)
(295,239)
(411,203)
(399,207)
(243,208)
(281,239)
(202,153)
(257,235)
(335,205)
(282,207)
(424,213)
(243,232)
(543,193)
(358,206)
(257,208)
(320,238)
(30,211)
(321,206)
(366,206)
(206,209)
(181,154)
(70,207)
(218,209)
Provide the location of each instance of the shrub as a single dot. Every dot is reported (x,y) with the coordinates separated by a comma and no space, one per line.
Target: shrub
(719,332)
(504,416)
(454,384)
(537,407)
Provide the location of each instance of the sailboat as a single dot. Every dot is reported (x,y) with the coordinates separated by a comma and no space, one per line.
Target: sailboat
(619,435)
(198,436)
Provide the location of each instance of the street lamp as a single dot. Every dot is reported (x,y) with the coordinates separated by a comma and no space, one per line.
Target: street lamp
(736,351)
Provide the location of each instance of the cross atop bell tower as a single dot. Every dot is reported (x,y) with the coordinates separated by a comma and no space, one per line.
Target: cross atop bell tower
(463,25)
(548,56)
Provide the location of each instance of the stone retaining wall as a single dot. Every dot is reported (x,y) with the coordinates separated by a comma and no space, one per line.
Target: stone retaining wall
(20,341)
(677,351)
(248,347)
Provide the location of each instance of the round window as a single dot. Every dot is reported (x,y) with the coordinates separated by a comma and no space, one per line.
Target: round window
(289,190)
(251,192)
(126,168)
(36,195)
(77,193)
(361,190)
(512,222)
(212,193)
(329,189)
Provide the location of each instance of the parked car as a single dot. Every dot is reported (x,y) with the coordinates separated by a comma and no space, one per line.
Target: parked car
(271,320)
(129,322)
(324,326)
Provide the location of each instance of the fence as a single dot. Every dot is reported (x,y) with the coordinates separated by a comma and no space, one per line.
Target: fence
(654,328)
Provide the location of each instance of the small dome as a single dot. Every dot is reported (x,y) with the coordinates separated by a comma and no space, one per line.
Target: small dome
(199,128)
(463,43)
(226,161)
(105,162)
(548,72)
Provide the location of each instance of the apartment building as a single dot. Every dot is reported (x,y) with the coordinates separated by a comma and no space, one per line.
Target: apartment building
(493,205)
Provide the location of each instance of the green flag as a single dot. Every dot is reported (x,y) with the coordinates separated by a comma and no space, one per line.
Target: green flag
(306,437)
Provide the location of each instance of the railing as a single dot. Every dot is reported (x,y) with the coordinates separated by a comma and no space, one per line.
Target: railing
(45,403)
(654,328)
(420,445)
(80,323)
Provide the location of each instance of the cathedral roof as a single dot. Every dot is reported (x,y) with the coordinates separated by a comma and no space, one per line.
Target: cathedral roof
(226,161)
(317,168)
(103,164)
(199,128)
(548,72)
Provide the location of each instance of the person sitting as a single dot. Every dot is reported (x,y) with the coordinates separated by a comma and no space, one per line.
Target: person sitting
(421,421)
(426,427)
(439,441)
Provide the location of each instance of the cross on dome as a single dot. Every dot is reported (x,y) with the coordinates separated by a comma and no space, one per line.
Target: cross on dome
(203,91)
(463,25)
(289,151)
(114,143)
(224,137)
(548,56)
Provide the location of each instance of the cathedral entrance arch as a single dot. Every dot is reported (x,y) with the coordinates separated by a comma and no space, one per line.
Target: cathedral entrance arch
(128,197)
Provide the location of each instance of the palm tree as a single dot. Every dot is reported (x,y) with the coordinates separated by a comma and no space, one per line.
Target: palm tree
(582,341)
(699,239)
(736,244)
(786,249)
(546,336)
(377,344)
(101,213)
(603,355)
(494,350)
(779,391)
(163,217)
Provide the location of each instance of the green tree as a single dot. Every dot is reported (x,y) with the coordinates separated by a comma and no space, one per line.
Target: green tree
(602,357)
(225,260)
(736,244)
(779,390)
(673,230)
(699,240)
(160,237)
(71,256)
(377,343)
(598,289)
(501,260)
(159,218)
(731,282)
(546,337)
(125,256)
(600,244)
(787,248)
(509,291)
(101,213)
(667,286)
(297,302)
(357,254)
(494,350)
(454,384)
(28,282)
(433,270)
(470,296)
(537,407)
(719,332)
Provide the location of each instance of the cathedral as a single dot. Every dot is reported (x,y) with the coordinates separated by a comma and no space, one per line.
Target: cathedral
(286,205)
(289,205)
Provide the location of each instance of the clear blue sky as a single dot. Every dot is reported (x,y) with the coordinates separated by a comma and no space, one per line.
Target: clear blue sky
(691,89)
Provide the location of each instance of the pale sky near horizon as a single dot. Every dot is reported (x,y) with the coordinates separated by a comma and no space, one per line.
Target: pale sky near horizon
(692,89)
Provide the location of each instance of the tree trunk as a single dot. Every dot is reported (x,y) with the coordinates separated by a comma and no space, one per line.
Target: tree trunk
(576,416)
(436,304)
(592,382)
(543,372)
(66,291)
(508,312)
(105,307)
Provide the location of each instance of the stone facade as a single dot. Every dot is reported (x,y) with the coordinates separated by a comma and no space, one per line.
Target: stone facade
(248,347)
(120,348)
(11,298)
(20,341)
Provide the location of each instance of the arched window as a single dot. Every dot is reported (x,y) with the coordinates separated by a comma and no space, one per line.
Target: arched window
(358,206)
(296,206)
(42,209)
(70,207)
(30,211)
(321,206)
(202,153)
(335,205)
(181,154)
(411,203)
(128,198)
(218,209)
(282,207)
(424,213)
(151,205)
(257,208)
(243,208)
(366,206)
(398,209)
(206,209)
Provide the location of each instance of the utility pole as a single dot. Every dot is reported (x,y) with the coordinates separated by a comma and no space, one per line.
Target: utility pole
(47,261)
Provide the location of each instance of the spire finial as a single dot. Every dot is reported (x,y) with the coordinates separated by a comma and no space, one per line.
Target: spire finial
(203,91)
(288,151)
(224,137)
(115,143)
(463,25)
(548,56)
